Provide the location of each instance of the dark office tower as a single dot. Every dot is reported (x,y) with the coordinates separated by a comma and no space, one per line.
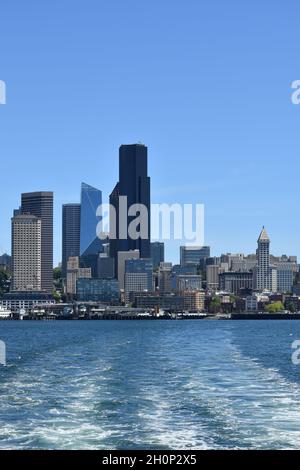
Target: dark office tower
(157,252)
(40,204)
(70,234)
(106,267)
(134,183)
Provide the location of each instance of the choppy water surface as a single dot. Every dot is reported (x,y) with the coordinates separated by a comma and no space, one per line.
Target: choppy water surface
(149,385)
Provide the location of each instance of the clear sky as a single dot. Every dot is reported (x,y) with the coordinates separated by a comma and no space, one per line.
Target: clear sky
(205,84)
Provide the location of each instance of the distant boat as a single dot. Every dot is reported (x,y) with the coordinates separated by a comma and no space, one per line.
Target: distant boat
(4,313)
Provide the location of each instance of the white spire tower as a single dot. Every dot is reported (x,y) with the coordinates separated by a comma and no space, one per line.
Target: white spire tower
(263,258)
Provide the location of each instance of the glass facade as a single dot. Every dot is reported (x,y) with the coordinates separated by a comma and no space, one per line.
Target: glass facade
(141,266)
(91,199)
(157,252)
(98,290)
(70,234)
(134,183)
(193,255)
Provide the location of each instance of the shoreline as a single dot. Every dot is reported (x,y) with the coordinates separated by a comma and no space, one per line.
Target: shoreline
(174,317)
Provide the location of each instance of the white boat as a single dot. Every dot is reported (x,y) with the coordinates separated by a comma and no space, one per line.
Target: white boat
(4,313)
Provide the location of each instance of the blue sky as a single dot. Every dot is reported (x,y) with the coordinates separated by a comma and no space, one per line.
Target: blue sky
(206,85)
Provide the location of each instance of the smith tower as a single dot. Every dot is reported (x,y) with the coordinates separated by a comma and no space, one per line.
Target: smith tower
(263,255)
(134,183)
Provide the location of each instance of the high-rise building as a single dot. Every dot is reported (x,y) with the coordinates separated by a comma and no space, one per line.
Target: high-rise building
(193,255)
(157,253)
(91,199)
(234,282)
(212,276)
(188,282)
(134,184)
(122,257)
(74,272)
(263,258)
(26,253)
(106,267)
(40,204)
(285,277)
(138,276)
(165,278)
(70,234)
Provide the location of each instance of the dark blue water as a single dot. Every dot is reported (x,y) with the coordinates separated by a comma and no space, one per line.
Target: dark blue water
(149,385)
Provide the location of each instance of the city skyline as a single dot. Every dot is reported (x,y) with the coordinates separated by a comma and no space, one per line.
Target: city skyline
(74,206)
(218,127)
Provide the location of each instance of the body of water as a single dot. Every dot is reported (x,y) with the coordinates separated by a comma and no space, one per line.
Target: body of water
(149,385)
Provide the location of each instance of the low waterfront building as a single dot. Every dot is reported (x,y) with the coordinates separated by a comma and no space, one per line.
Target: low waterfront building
(150,300)
(15,301)
(257,301)
(146,300)
(292,303)
(98,290)
(194,301)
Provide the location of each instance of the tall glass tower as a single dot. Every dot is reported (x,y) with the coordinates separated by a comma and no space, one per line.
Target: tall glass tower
(91,199)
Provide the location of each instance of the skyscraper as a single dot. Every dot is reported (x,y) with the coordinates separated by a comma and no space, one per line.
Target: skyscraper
(70,234)
(26,244)
(138,276)
(122,257)
(157,252)
(91,199)
(134,184)
(263,258)
(193,255)
(40,204)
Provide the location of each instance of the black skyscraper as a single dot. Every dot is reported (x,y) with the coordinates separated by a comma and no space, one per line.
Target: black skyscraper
(135,184)
(40,204)
(70,233)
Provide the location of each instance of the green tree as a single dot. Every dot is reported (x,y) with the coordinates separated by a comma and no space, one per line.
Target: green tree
(275,307)
(215,305)
(291,307)
(57,273)
(56,295)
